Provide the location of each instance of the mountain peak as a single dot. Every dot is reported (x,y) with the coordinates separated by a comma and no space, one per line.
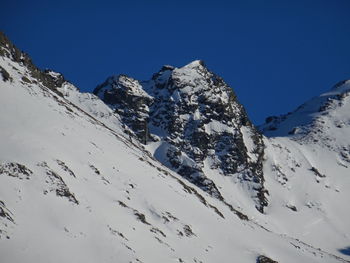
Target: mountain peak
(195,64)
(167,72)
(192,117)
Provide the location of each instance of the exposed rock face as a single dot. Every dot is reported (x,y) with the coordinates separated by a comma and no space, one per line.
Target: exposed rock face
(126,96)
(46,77)
(191,121)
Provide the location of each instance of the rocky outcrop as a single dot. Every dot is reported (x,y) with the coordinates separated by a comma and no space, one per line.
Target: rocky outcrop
(15,170)
(192,121)
(126,96)
(46,77)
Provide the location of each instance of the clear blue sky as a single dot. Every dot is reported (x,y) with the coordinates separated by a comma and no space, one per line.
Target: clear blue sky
(274,54)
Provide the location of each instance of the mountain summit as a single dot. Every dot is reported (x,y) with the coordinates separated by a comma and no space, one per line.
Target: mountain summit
(190,120)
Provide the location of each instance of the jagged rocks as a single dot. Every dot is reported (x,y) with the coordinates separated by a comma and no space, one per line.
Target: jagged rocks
(47,77)
(264,259)
(191,119)
(126,97)
(15,170)
(56,184)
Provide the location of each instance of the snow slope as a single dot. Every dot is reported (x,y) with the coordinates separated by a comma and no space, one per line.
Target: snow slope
(76,187)
(197,128)
(308,161)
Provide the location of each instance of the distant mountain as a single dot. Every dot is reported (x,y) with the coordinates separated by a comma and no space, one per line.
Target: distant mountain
(325,112)
(166,170)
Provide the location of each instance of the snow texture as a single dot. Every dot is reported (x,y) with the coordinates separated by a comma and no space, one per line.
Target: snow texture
(77,184)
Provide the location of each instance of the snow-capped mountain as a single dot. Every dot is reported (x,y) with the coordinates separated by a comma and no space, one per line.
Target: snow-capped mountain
(190,120)
(166,170)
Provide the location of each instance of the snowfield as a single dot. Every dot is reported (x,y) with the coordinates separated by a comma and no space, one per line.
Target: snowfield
(76,187)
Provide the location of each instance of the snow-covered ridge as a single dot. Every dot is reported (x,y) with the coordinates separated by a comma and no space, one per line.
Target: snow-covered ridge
(305,117)
(78,183)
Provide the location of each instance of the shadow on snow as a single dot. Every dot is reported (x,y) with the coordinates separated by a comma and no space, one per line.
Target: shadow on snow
(345,251)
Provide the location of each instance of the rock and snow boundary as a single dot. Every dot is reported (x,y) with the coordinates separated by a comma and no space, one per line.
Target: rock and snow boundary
(78,182)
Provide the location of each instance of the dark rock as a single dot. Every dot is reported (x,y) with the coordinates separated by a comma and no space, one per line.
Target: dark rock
(316,172)
(293,131)
(127,98)
(25,79)
(264,259)
(5,213)
(17,170)
(58,185)
(141,217)
(188,231)
(292,207)
(5,75)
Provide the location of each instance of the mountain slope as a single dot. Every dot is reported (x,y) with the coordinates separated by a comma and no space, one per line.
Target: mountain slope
(75,185)
(308,162)
(326,113)
(191,121)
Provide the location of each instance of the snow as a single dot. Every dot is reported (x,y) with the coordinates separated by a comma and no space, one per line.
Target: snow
(320,218)
(322,142)
(216,127)
(116,181)
(307,113)
(124,82)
